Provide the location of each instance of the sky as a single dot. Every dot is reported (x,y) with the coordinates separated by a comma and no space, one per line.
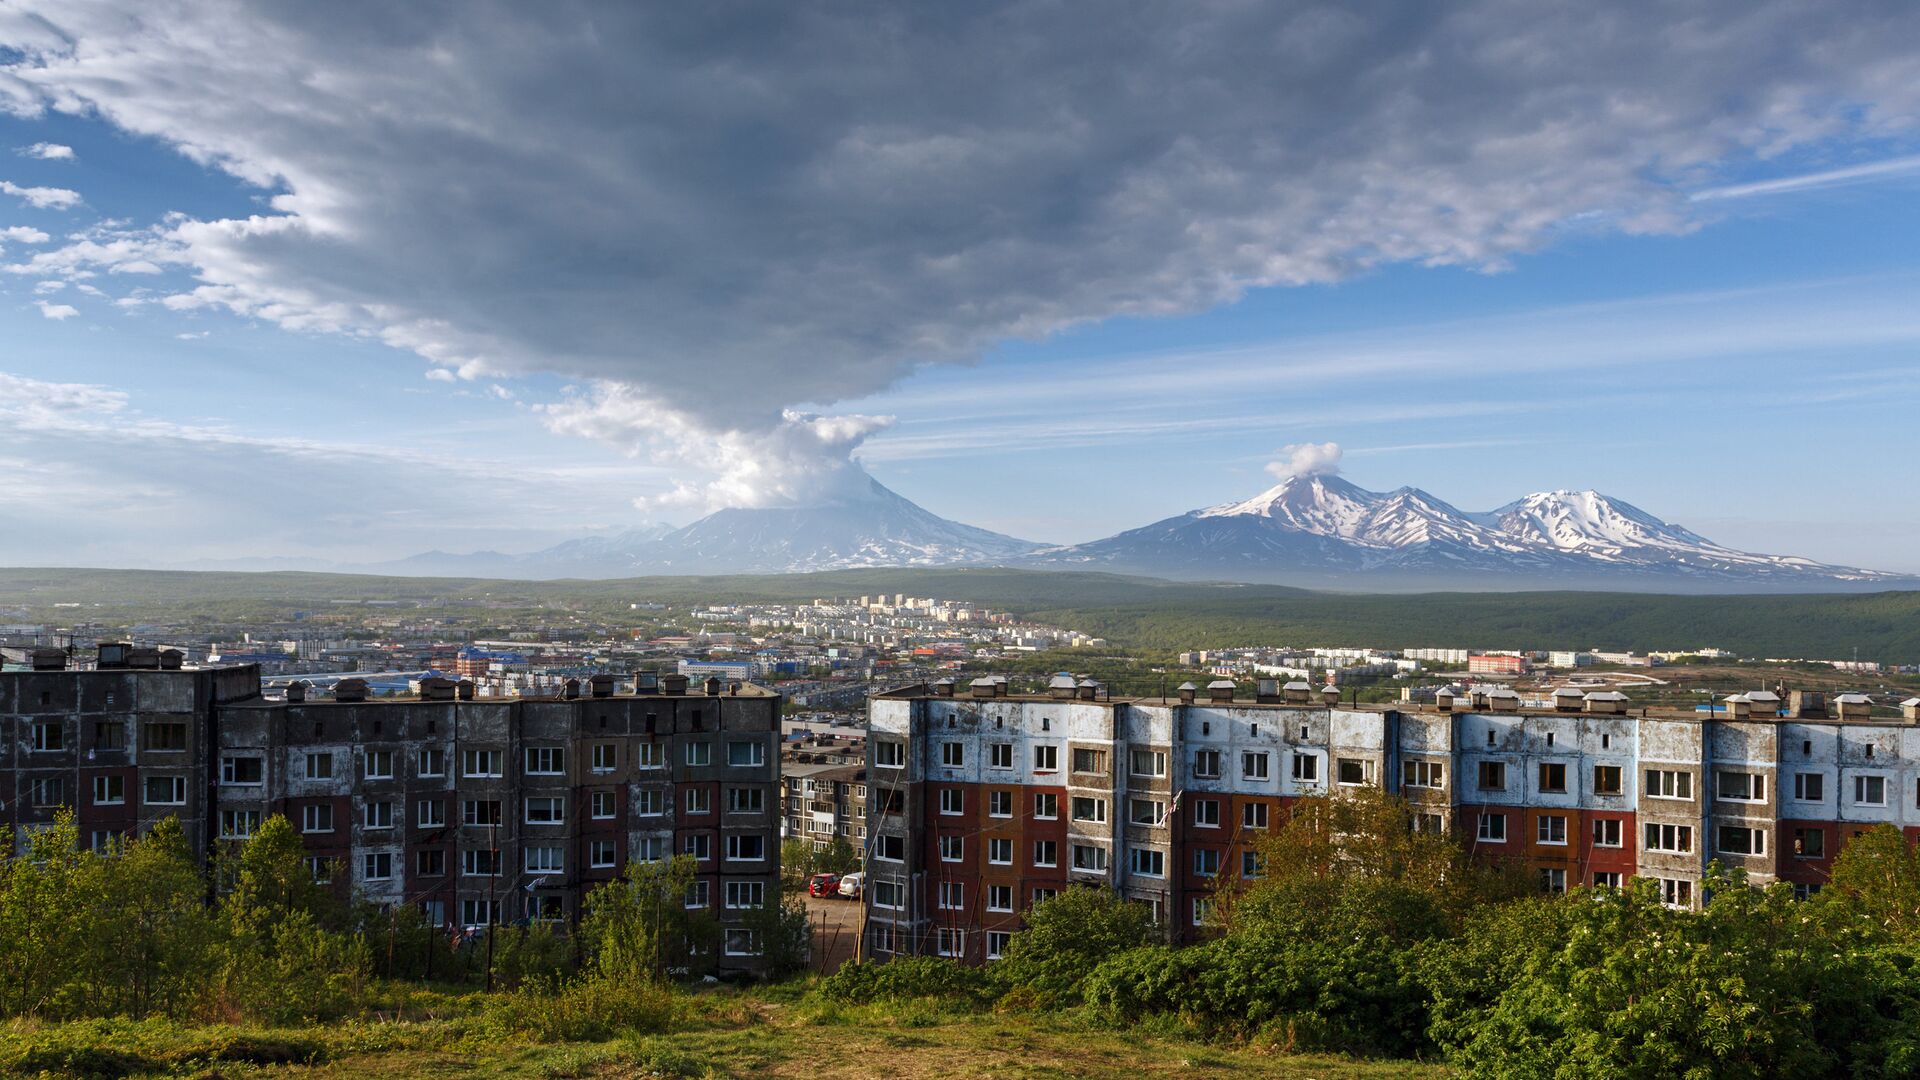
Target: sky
(354,282)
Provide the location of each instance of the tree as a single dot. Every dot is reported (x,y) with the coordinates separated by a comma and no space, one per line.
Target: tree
(639,927)
(1067,936)
(1878,875)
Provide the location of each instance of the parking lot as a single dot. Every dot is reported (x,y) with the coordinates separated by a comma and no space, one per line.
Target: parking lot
(836,927)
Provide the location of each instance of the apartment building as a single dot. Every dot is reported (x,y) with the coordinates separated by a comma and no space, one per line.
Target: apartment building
(824,802)
(476,811)
(984,803)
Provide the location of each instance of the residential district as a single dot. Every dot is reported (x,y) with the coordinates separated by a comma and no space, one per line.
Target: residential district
(496,779)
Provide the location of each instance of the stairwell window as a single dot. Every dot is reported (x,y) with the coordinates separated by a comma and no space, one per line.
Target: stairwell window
(1492,829)
(1206,764)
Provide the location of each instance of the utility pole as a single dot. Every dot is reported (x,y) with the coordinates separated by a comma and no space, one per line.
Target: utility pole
(493,917)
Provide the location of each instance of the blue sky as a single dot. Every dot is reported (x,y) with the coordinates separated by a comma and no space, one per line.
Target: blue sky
(251,333)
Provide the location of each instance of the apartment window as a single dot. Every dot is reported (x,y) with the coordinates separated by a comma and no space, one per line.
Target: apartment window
(1676,839)
(236,771)
(1352,771)
(1089,761)
(1306,768)
(606,757)
(316,819)
(1042,895)
(742,800)
(953,801)
(1551,829)
(1046,759)
(889,755)
(376,866)
(432,763)
(698,895)
(1676,892)
(1493,776)
(1553,881)
(1252,865)
(51,791)
(997,943)
(1206,862)
(949,942)
(1493,828)
(320,869)
(746,755)
(1046,805)
(698,801)
(699,754)
(649,802)
(952,848)
(999,898)
(1253,766)
(1149,763)
(649,849)
(479,912)
(1553,777)
(1606,833)
(1206,764)
(746,848)
(1202,910)
(1606,780)
(109,790)
(1810,787)
(1742,786)
(1206,813)
(546,761)
(1085,809)
(953,755)
(1147,812)
(379,815)
(1253,816)
(698,845)
(480,763)
(953,896)
(1669,784)
(1809,843)
(165,736)
(1000,755)
(379,764)
(1000,851)
(1870,790)
(1046,853)
(1423,774)
(1606,879)
(544,859)
(480,812)
(239,824)
(109,735)
(1089,857)
(649,755)
(480,862)
(603,805)
(548,810)
(1147,862)
(166,791)
(431,862)
(891,848)
(1738,840)
(602,854)
(1000,804)
(319,766)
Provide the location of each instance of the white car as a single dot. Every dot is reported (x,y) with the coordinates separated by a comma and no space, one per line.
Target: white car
(853,885)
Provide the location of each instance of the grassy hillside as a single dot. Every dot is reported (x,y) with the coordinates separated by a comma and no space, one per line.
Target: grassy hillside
(1139,613)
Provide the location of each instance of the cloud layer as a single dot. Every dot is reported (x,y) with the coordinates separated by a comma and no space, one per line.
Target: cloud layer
(726,213)
(1307,459)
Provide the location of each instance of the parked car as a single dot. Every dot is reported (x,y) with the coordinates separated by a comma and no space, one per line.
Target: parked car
(852,885)
(823,885)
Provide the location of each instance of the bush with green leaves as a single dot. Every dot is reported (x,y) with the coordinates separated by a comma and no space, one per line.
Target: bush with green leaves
(905,978)
(1066,937)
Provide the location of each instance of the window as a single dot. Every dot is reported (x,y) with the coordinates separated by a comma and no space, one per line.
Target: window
(1089,857)
(376,866)
(649,849)
(480,763)
(1354,771)
(1046,759)
(1306,768)
(1206,813)
(1253,766)
(1046,853)
(999,804)
(1206,764)
(698,845)
(379,764)
(480,862)
(1669,784)
(999,898)
(380,815)
(1202,910)
(1741,786)
(51,791)
(1606,879)
(546,761)
(949,942)
(746,755)
(697,894)
(1809,843)
(742,942)
(952,848)
(649,802)
(316,819)
(1422,774)
(432,762)
(166,791)
(953,755)
(1677,839)
(1252,865)
(109,735)
(319,766)
(745,800)
(603,805)
(480,812)
(1553,776)
(747,848)
(165,736)
(699,801)
(890,848)
(1000,755)
(1000,851)
(1551,829)
(1493,828)
(1086,809)
(1149,763)
(1147,812)
(1042,895)
(479,912)
(953,801)
(430,862)
(602,854)
(606,757)
(239,824)
(1809,787)
(242,771)
(1870,790)
(543,859)
(547,810)
(1046,805)
(1606,780)
(1089,761)
(1606,833)
(1147,862)
(109,790)
(320,868)
(997,943)
(1553,881)
(1206,862)
(1676,892)
(1738,840)
(649,755)
(889,755)
(1253,815)
(1493,776)
(953,896)
(699,754)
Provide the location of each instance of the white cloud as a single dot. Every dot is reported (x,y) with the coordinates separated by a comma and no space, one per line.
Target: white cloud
(24,234)
(47,151)
(193,336)
(56,311)
(1852,174)
(1307,459)
(42,198)
(49,286)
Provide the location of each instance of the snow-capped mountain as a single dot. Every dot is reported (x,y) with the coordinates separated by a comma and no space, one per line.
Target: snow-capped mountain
(1322,530)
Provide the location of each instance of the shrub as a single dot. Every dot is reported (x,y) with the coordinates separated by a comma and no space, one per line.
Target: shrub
(581,1010)
(904,978)
(1068,936)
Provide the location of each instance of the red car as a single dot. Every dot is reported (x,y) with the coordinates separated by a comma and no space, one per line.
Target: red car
(823,885)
